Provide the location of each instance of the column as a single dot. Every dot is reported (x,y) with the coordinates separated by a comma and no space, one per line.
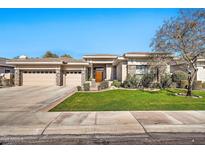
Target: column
(17,77)
(59,77)
(83,77)
(108,71)
(91,71)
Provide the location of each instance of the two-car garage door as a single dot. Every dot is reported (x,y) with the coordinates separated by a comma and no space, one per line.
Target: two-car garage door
(39,78)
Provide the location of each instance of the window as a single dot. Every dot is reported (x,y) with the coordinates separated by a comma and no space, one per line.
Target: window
(7,71)
(141,69)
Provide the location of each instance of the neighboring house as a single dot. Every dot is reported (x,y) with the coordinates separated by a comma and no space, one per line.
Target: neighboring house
(99,67)
(5,68)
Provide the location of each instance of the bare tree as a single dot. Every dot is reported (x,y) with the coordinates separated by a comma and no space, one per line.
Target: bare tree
(184,37)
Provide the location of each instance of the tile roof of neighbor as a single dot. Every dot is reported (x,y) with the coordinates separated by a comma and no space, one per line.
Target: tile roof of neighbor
(62,59)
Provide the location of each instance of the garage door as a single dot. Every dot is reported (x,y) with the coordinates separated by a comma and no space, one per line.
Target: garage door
(73,78)
(39,78)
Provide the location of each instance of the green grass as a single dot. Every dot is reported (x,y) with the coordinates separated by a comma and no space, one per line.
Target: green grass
(130,100)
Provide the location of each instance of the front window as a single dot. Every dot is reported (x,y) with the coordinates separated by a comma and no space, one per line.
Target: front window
(141,69)
(7,71)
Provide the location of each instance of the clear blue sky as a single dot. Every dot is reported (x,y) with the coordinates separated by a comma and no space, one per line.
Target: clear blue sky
(78,31)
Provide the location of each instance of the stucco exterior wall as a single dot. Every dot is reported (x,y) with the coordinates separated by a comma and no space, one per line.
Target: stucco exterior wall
(124,71)
(73,67)
(174,68)
(201,73)
(109,73)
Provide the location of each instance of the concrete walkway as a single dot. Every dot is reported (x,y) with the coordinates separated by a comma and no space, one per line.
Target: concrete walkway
(107,123)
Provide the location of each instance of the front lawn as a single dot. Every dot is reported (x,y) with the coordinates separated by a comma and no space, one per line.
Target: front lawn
(130,100)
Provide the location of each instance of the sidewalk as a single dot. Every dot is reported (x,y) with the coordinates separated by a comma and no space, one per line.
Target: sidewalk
(101,123)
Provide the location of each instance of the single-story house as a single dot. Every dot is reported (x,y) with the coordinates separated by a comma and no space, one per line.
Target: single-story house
(71,72)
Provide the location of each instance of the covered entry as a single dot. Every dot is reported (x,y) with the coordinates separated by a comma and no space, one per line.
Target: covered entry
(39,78)
(72,78)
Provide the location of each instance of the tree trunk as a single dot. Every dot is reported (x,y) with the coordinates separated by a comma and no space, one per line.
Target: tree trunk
(190,83)
(189,90)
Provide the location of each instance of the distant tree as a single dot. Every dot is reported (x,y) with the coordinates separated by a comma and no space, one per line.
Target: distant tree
(49,54)
(184,37)
(16,57)
(66,55)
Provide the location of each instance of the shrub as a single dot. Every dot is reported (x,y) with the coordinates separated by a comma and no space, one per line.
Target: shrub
(203,85)
(147,79)
(79,88)
(103,85)
(5,82)
(155,85)
(0,81)
(178,76)
(131,81)
(166,80)
(116,83)
(197,85)
(86,86)
(173,85)
(183,84)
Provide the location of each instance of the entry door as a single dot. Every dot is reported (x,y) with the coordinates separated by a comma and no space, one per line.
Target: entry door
(98,76)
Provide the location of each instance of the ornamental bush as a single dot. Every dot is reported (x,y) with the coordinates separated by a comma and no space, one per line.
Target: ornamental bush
(197,85)
(178,76)
(203,85)
(147,79)
(79,88)
(86,86)
(103,85)
(166,80)
(183,84)
(116,83)
(132,81)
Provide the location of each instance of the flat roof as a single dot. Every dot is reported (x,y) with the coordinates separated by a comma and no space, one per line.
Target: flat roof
(100,56)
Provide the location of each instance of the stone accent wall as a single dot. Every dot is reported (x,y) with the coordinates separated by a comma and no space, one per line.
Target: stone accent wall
(83,76)
(131,69)
(119,72)
(18,78)
(59,77)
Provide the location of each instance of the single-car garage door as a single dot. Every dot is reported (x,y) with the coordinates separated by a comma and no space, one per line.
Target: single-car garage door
(73,78)
(39,78)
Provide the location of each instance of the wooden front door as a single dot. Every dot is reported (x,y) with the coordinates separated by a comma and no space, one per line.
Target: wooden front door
(98,76)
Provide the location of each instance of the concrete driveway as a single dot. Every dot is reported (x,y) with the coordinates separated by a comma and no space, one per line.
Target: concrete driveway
(30,98)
